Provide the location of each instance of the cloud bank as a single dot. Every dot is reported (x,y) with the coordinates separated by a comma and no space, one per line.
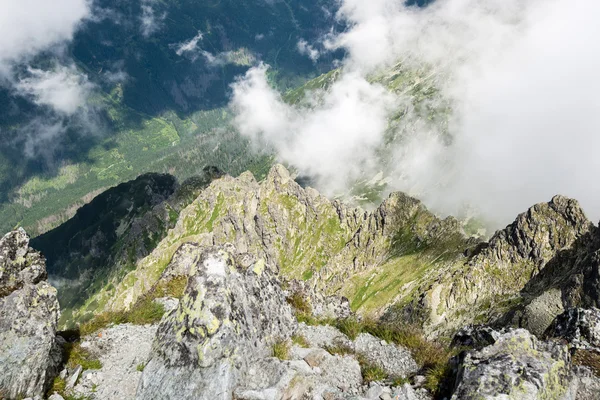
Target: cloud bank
(521,80)
(30,26)
(27,29)
(64,89)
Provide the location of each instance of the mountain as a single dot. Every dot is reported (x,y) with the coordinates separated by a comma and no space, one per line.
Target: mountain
(236,288)
(397,261)
(106,237)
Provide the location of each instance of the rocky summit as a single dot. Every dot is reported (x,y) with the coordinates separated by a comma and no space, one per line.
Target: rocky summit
(267,290)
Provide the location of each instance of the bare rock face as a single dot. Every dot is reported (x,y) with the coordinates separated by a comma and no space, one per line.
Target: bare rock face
(579,327)
(517,366)
(498,275)
(232,311)
(29,312)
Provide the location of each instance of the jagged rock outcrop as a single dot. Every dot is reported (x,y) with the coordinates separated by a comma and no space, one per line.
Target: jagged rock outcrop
(220,341)
(321,305)
(29,312)
(232,311)
(400,254)
(516,366)
(495,275)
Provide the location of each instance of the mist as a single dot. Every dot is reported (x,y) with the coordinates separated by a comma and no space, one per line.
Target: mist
(521,81)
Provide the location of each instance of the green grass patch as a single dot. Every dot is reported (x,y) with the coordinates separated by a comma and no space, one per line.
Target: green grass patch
(281,349)
(140,367)
(77,355)
(145,311)
(371,372)
(300,341)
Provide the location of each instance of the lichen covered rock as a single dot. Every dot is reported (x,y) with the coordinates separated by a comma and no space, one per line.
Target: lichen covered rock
(231,313)
(580,328)
(517,366)
(29,312)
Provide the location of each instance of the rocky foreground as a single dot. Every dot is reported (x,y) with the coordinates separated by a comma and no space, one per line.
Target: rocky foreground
(270,291)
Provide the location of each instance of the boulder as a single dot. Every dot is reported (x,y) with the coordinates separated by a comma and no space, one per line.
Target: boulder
(29,312)
(395,360)
(229,317)
(517,366)
(475,336)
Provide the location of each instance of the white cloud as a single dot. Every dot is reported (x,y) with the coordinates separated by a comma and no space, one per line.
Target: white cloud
(318,141)
(189,46)
(64,89)
(307,49)
(151,20)
(522,81)
(29,26)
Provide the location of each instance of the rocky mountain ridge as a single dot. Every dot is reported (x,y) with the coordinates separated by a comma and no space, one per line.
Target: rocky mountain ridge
(268,290)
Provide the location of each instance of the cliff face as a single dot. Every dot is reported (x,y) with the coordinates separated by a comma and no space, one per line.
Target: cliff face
(29,311)
(495,277)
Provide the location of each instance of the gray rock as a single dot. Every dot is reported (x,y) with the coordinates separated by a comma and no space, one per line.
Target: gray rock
(541,311)
(579,327)
(168,303)
(517,366)
(228,318)
(323,336)
(73,377)
(29,312)
(374,392)
(585,385)
(120,349)
(406,392)
(56,396)
(475,336)
(395,360)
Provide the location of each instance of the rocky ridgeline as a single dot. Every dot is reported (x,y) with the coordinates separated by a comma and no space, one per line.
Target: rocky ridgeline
(303,235)
(523,305)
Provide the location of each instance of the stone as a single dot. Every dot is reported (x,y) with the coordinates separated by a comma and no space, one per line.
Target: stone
(72,380)
(228,318)
(30,352)
(120,349)
(374,392)
(395,360)
(517,366)
(168,303)
(475,336)
(323,336)
(579,327)
(541,311)
(56,396)
(316,357)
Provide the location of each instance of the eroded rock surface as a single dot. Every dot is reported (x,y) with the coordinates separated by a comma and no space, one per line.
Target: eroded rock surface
(229,317)
(517,366)
(29,312)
